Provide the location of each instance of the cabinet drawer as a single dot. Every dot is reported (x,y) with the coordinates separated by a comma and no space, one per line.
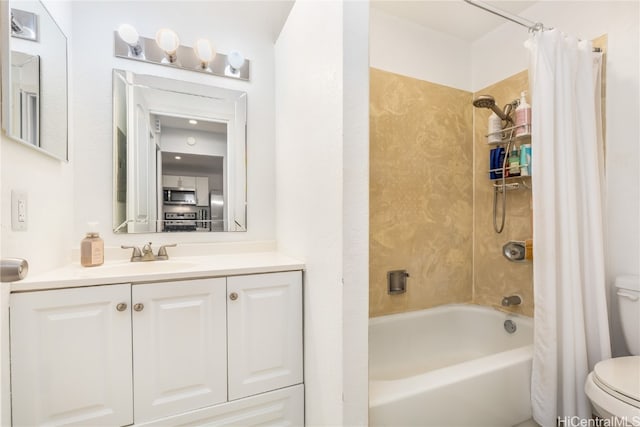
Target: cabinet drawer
(283,407)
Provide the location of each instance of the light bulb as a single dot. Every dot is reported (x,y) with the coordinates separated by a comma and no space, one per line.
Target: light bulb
(204,51)
(168,40)
(235,60)
(128,34)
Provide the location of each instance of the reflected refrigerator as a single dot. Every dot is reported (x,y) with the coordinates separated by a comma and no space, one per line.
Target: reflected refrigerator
(216,206)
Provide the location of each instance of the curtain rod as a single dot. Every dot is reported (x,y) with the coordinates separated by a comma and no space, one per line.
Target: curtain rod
(533,26)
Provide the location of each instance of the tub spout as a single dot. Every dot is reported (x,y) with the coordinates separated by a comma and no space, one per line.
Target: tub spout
(511,300)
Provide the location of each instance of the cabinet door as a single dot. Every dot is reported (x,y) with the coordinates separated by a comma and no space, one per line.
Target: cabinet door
(71,357)
(202,190)
(174,181)
(265,332)
(179,350)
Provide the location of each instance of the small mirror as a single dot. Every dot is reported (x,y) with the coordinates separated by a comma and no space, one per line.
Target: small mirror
(34,79)
(179,156)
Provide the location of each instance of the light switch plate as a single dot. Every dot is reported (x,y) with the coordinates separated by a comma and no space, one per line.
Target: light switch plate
(19,211)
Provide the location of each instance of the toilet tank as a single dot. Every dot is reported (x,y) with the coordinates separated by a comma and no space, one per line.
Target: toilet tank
(628,291)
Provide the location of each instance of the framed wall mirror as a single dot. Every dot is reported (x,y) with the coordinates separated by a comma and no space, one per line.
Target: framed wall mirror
(34,78)
(179,156)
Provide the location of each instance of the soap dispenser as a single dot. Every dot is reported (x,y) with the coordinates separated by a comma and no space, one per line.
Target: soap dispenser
(92,247)
(523,116)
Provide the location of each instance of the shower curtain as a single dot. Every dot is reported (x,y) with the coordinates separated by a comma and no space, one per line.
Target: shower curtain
(571,332)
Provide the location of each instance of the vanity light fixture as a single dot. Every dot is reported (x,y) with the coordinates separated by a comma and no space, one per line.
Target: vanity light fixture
(177,157)
(130,36)
(205,53)
(166,50)
(169,42)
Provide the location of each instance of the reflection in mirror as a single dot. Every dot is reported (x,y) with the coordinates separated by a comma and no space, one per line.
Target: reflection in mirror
(34,79)
(179,156)
(25,96)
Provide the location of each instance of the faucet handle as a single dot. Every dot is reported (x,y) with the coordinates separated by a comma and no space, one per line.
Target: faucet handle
(147,248)
(162,252)
(136,251)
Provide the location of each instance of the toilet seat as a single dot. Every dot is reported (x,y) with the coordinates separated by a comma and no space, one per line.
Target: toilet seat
(614,388)
(620,377)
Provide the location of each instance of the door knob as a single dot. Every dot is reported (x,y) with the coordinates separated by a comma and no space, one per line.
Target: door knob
(121,306)
(233,296)
(138,307)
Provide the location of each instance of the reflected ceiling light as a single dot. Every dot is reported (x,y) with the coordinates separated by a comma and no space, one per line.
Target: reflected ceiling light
(169,42)
(235,61)
(205,53)
(193,122)
(130,36)
(177,157)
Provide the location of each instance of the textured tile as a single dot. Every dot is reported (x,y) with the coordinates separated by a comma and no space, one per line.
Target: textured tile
(421,193)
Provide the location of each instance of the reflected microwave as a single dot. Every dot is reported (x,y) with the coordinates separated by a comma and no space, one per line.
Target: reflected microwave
(175,196)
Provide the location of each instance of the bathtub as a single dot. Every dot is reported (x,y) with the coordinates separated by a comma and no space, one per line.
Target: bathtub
(453,365)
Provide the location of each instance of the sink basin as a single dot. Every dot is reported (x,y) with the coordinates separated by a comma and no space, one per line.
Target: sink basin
(134,268)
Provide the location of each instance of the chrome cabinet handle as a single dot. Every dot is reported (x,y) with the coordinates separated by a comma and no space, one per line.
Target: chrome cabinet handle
(121,306)
(233,296)
(138,307)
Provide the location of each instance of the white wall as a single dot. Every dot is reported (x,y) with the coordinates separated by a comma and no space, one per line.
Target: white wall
(403,47)
(174,140)
(589,20)
(355,219)
(321,158)
(49,187)
(229,28)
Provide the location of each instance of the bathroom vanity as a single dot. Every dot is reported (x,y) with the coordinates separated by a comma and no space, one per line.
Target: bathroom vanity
(212,340)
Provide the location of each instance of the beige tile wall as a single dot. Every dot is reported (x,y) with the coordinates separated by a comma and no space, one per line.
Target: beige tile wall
(421,195)
(427,200)
(494,275)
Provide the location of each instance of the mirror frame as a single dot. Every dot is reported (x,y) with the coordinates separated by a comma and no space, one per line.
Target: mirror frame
(235,188)
(5,76)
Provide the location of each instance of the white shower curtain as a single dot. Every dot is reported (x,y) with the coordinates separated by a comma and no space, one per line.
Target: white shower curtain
(571,332)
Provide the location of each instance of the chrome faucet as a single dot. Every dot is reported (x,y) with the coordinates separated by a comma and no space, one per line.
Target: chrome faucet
(511,300)
(146,254)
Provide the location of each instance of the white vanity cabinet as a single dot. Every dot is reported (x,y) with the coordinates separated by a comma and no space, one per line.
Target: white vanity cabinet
(71,357)
(211,351)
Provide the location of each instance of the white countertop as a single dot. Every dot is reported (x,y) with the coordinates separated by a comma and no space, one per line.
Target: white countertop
(176,268)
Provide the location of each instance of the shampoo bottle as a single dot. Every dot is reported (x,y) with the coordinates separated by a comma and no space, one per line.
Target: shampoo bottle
(514,163)
(523,116)
(92,248)
(495,129)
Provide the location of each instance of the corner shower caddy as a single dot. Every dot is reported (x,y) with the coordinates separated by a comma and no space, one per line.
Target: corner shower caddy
(514,182)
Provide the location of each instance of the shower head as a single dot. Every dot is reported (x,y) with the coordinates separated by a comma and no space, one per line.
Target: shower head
(487,101)
(484,101)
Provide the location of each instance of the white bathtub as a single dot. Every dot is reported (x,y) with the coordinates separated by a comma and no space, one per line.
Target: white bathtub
(453,365)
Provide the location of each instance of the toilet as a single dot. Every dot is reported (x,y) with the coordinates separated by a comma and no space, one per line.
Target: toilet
(614,385)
